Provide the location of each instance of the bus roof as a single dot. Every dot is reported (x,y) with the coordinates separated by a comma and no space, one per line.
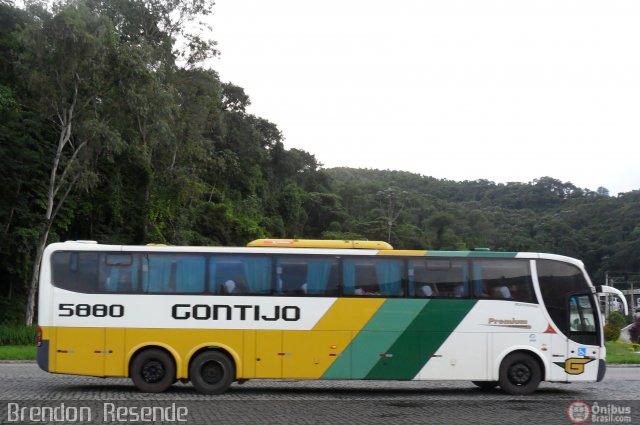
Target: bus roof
(318,243)
(309,246)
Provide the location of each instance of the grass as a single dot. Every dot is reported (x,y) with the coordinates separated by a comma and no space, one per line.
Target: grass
(622,352)
(17,335)
(17,352)
(17,342)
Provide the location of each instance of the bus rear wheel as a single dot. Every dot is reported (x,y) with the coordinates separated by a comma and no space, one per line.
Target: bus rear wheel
(211,372)
(153,371)
(520,374)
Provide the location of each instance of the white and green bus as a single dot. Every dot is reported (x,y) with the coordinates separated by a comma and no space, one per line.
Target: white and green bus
(301,309)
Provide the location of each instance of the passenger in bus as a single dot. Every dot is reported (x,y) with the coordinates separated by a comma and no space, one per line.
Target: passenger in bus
(229,286)
(460,291)
(502,292)
(368,291)
(235,286)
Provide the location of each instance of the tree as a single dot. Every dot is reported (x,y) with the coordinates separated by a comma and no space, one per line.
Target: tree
(65,64)
(440,222)
(393,201)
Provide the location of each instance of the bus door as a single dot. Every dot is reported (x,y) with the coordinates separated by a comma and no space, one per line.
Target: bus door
(583,344)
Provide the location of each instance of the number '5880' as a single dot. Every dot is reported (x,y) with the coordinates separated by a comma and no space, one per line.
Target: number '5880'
(90,310)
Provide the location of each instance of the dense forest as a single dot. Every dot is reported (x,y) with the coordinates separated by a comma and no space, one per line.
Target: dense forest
(113,129)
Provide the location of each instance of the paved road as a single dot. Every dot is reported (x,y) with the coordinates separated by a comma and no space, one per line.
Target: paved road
(23,386)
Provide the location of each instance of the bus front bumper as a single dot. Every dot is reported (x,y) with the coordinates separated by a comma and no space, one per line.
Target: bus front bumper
(602,369)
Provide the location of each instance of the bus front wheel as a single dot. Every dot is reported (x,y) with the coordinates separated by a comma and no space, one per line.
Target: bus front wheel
(520,374)
(211,372)
(153,371)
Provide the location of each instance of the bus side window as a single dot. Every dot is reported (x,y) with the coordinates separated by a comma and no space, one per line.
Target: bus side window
(75,271)
(118,273)
(375,276)
(173,273)
(419,284)
(241,275)
(302,275)
(503,279)
(441,277)
(291,275)
(189,274)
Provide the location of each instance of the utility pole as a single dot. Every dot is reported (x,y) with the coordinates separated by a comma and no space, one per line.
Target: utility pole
(606,298)
(632,304)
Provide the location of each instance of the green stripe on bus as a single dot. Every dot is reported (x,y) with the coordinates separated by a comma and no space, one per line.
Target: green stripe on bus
(421,339)
(381,333)
(375,338)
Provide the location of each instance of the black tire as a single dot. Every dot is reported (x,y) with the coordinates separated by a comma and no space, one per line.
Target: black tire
(212,372)
(520,374)
(485,385)
(153,371)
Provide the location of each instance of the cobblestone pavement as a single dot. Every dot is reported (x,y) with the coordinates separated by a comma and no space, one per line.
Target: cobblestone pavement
(23,386)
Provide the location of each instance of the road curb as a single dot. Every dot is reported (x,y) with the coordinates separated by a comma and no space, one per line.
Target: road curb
(622,365)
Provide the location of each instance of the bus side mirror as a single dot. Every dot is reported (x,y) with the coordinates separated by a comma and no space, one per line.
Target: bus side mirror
(604,289)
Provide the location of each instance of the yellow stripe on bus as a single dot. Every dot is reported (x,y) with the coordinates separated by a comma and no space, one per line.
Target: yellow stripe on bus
(317,243)
(308,354)
(349,314)
(256,353)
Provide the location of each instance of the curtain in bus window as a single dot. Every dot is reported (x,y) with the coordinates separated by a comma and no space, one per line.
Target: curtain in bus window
(411,280)
(112,280)
(190,274)
(257,271)
(133,274)
(348,277)
(158,273)
(465,279)
(389,273)
(479,289)
(281,288)
(318,272)
(213,288)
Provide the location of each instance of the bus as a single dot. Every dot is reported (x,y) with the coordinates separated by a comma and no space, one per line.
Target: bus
(305,309)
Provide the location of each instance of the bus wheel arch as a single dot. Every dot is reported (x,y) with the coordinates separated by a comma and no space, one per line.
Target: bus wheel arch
(152,369)
(212,370)
(520,372)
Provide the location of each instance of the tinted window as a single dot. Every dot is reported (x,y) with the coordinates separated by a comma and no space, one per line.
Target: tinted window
(442,277)
(372,276)
(174,273)
(503,279)
(240,274)
(119,272)
(557,280)
(75,271)
(298,275)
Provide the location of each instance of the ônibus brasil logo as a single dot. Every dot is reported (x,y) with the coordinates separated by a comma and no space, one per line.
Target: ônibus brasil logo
(578,412)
